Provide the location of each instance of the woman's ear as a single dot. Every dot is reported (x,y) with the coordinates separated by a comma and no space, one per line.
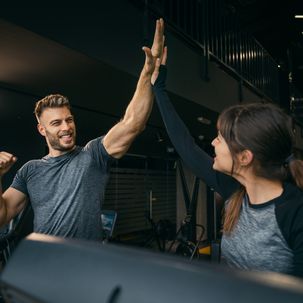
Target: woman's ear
(245,157)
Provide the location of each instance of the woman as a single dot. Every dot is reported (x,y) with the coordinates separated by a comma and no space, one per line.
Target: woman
(256,173)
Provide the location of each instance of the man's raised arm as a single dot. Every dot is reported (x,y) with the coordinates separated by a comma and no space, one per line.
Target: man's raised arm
(12,201)
(119,138)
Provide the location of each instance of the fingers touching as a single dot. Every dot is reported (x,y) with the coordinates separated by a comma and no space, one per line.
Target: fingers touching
(149,60)
(164,56)
(157,54)
(159,39)
(159,61)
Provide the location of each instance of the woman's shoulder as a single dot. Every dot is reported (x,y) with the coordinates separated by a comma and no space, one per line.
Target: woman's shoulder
(292,195)
(289,214)
(290,204)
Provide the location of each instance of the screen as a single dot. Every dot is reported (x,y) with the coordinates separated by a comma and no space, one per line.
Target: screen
(108,218)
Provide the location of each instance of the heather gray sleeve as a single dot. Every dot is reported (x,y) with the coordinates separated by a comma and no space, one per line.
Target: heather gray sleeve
(98,152)
(19,181)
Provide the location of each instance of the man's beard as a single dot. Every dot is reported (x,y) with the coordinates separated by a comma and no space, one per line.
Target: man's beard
(54,142)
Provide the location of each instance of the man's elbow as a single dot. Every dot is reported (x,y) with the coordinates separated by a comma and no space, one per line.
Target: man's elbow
(3,218)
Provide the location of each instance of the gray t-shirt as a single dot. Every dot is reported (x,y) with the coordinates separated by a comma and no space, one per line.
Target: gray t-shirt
(268,236)
(66,192)
(257,243)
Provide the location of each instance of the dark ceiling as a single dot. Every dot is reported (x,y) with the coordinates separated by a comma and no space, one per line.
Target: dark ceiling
(272,23)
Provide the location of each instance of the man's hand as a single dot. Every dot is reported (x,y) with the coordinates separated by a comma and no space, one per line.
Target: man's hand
(7,160)
(119,138)
(156,51)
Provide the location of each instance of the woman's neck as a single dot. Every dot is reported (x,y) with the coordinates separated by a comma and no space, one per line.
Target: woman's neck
(260,190)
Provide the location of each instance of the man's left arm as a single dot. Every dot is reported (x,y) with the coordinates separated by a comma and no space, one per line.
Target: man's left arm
(119,138)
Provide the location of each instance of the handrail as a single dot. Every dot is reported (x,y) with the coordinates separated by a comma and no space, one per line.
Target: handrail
(215,31)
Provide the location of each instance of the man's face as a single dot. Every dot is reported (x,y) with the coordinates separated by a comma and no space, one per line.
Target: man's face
(58,127)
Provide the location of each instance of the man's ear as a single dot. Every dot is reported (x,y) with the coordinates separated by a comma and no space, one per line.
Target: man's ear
(245,157)
(41,129)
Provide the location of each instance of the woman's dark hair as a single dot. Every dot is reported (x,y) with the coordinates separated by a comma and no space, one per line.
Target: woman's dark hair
(265,130)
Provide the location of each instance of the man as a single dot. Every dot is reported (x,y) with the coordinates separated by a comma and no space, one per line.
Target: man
(66,187)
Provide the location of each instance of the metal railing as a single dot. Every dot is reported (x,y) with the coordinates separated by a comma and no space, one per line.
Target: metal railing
(214,28)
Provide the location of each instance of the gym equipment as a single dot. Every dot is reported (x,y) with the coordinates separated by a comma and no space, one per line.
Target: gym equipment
(18,228)
(188,244)
(181,245)
(108,218)
(165,229)
(161,232)
(56,270)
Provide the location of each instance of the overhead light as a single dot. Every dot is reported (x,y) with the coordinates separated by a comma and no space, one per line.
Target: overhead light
(159,137)
(299,16)
(204,120)
(170,150)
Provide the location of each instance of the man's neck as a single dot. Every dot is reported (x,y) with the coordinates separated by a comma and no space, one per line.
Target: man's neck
(56,153)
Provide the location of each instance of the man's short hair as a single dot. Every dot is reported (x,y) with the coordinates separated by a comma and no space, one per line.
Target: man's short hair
(50,101)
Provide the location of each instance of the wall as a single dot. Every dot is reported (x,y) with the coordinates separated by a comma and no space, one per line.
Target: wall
(19,135)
